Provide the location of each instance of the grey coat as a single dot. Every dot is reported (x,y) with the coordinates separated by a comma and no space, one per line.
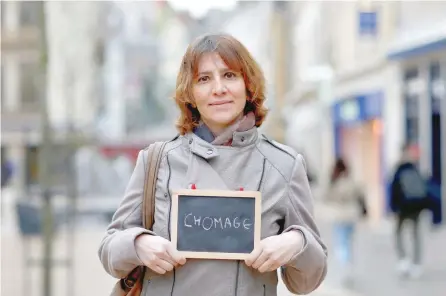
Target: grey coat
(252,162)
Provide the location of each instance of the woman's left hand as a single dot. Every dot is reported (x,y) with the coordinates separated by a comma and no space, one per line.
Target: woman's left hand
(275,251)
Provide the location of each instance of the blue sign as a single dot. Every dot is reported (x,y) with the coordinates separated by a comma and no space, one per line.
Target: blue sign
(358,109)
(368,23)
(354,111)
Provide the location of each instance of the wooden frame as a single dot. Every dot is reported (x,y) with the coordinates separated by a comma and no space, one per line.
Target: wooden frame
(220,193)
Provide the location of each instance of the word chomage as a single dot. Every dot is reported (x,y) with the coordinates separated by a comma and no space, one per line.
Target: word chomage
(208,223)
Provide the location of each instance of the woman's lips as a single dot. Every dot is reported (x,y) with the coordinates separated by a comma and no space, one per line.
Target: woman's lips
(219,103)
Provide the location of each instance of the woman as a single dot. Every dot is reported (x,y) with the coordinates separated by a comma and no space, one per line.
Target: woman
(220,93)
(344,197)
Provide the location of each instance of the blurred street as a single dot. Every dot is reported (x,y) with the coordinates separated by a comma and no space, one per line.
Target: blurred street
(375,270)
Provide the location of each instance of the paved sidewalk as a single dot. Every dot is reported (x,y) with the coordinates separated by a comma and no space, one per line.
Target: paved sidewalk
(324,290)
(88,277)
(376,266)
(375,263)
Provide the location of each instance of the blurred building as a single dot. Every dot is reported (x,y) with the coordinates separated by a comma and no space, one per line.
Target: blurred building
(130,71)
(144,42)
(215,19)
(308,120)
(69,90)
(349,96)
(74,50)
(366,106)
(111,75)
(22,88)
(144,46)
(419,52)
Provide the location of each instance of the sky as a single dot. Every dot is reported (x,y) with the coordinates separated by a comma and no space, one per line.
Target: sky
(199,8)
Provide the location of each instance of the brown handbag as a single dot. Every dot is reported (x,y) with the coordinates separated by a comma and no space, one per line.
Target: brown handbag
(132,284)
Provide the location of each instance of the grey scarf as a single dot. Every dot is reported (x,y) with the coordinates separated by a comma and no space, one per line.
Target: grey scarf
(247,122)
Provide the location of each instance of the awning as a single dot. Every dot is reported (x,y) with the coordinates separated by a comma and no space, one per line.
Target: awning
(414,44)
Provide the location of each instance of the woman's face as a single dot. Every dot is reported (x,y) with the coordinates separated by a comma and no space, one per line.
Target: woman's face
(219,93)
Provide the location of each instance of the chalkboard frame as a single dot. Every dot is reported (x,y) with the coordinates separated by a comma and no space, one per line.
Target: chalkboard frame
(184,193)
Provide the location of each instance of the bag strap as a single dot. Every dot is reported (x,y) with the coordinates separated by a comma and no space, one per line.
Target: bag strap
(155,153)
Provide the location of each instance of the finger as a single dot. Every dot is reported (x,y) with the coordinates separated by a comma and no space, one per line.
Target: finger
(260,260)
(165,265)
(253,256)
(268,265)
(175,255)
(167,257)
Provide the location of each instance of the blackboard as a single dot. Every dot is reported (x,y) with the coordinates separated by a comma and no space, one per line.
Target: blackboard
(216,224)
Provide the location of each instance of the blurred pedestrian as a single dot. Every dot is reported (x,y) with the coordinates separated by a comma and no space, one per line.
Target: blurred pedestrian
(221,94)
(6,173)
(347,203)
(409,198)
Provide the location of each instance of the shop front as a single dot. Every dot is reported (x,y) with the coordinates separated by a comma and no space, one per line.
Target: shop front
(358,139)
(423,73)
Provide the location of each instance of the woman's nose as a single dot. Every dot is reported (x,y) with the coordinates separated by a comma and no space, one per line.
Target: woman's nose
(219,87)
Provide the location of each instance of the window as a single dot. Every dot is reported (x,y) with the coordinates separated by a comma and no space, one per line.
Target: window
(368,23)
(437,94)
(412,93)
(436,87)
(30,75)
(30,13)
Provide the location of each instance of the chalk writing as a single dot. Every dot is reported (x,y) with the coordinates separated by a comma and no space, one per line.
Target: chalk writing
(207,223)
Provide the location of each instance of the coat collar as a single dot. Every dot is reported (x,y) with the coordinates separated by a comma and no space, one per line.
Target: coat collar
(198,145)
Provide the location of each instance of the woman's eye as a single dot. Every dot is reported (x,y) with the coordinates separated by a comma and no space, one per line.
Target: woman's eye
(203,79)
(230,75)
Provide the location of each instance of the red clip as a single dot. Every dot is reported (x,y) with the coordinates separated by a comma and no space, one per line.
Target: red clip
(241,189)
(193,187)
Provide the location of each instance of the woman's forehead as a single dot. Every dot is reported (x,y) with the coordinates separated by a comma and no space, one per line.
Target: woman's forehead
(209,61)
(213,60)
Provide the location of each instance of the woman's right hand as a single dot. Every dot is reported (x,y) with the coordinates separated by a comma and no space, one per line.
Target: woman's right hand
(158,253)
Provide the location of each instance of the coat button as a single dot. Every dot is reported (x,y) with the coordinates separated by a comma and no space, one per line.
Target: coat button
(210,151)
(190,141)
(242,139)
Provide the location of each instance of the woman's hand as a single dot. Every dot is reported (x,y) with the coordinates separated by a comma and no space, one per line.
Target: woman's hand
(275,251)
(158,253)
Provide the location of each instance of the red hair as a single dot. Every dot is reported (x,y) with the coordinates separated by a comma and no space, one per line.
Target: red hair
(237,58)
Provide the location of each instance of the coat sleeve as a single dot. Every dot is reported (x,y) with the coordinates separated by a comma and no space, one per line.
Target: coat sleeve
(117,250)
(308,268)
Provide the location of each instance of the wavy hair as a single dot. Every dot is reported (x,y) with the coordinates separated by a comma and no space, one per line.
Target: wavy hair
(237,58)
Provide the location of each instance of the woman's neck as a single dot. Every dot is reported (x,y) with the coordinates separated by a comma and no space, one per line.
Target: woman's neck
(218,129)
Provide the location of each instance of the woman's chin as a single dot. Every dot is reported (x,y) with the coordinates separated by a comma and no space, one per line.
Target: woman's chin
(224,119)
